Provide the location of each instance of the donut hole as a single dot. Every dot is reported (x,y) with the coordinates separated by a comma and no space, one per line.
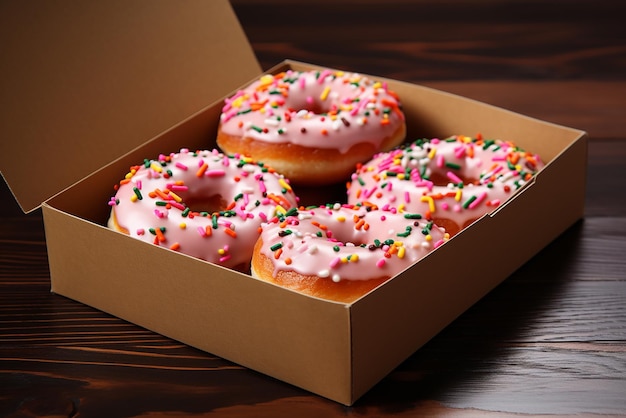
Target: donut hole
(349,238)
(440,178)
(210,204)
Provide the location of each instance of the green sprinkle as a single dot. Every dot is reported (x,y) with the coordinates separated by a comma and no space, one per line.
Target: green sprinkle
(185,212)
(453,165)
(256,128)
(335,248)
(137,193)
(468,202)
(239,196)
(214,221)
(160,203)
(276,246)
(412,216)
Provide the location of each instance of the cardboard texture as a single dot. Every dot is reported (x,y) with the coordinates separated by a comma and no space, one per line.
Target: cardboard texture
(337,351)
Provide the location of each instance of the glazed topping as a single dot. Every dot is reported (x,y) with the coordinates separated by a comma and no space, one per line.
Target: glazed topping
(203,203)
(314,109)
(458,177)
(344,242)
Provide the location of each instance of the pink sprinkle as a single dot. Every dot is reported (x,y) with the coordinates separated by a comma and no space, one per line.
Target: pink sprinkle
(335,262)
(138,184)
(309,100)
(177,187)
(225,258)
(262,187)
(302,82)
(263,216)
(478,200)
(215,173)
(323,75)
(407,197)
(380,263)
(453,177)
(202,231)
(445,206)
(159,214)
(141,231)
(383,217)
(440,161)
(181,166)
(113,201)
(495,202)
(438,243)
(459,152)
(176,204)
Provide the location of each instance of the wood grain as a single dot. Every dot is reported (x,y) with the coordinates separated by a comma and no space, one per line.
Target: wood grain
(549,341)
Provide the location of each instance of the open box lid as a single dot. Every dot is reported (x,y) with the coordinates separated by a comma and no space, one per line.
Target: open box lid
(85,82)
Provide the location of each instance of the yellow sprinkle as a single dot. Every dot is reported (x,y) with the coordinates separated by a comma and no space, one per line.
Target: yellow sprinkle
(377,85)
(431,203)
(133,198)
(432,153)
(354,258)
(458,195)
(401,208)
(341,218)
(175,197)
(182,225)
(401,251)
(156,167)
(339,73)
(130,174)
(280,209)
(267,79)
(324,94)
(221,251)
(237,102)
(284,184)
(428,237)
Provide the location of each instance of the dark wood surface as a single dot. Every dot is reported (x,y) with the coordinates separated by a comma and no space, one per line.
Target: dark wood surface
(551,340)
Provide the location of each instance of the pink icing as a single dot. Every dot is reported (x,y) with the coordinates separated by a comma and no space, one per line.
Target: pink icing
(400,180)
(348,243)
(315,109)
(152,204)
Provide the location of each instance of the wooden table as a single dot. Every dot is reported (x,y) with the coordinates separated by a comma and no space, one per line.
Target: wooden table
(550,340)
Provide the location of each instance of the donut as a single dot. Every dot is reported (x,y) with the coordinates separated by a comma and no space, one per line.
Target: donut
(341,252)
(453,181)
(312,126)
(203,204)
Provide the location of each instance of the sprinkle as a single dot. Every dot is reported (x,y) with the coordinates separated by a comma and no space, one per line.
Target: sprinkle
(137,193)
(202,170)
(277,246)
(215,173)
(324,94)
(430,201)
(230,232)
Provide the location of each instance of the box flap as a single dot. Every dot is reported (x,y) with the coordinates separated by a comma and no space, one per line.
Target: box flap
(84,82)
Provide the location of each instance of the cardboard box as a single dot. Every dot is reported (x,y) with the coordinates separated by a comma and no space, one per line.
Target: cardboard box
(79,110)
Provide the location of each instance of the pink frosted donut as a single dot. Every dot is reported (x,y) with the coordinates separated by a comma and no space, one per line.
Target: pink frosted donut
(202,203)
(341,252)
(452,181)
(312,126)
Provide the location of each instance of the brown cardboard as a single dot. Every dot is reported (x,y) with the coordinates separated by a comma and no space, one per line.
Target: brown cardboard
(337,351)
